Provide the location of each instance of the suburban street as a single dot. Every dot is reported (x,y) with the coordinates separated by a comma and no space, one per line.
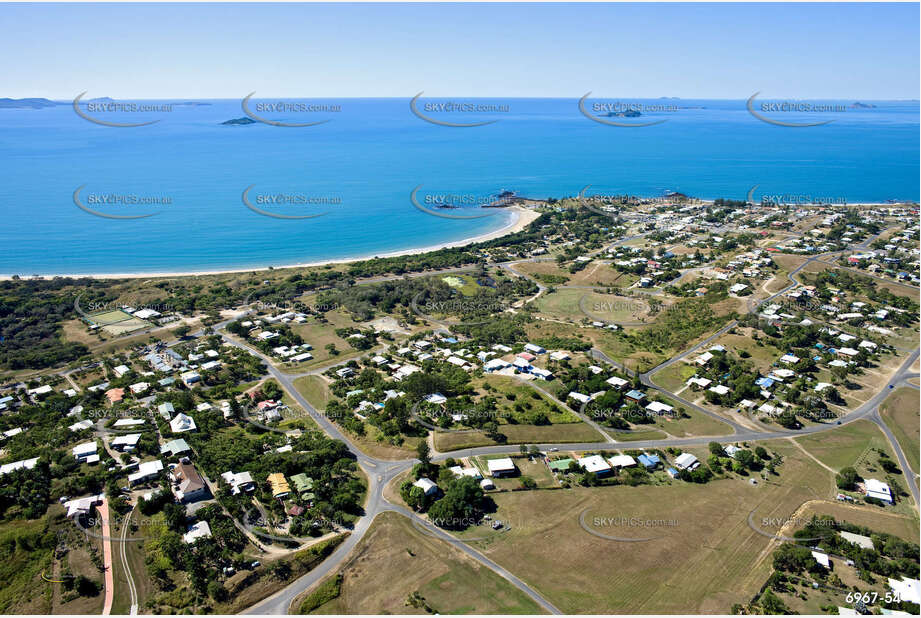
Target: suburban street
(381,472)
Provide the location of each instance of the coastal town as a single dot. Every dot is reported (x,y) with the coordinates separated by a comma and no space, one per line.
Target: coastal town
(726,388)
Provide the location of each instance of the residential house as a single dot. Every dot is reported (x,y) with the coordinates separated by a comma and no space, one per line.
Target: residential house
(188,485)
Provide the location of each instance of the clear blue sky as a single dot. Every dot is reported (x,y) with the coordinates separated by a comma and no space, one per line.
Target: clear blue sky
(848,51)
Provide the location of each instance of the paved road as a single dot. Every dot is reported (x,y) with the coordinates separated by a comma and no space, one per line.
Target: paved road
(381,472)
(126,567)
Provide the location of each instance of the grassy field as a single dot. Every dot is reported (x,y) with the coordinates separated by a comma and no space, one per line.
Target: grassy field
(121,603)
(845,445)
(608,342)
(578,305)
(630,436)
(900,412)
(806,600)
(320,334)
(519,434)
(674,378)
(27,564)
(856,444)
(892,523)
(704,563)
(509,393)
(314,389)
(395,560)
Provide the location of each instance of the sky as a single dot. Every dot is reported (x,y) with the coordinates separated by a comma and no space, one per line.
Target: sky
(718,50)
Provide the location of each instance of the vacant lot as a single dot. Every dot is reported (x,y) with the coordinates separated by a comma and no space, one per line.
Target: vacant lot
(396,560)
(900,412)
(314,389)
(845,445)
(706,560)
(578,305)
(519,434)
(319,334)
(859,444)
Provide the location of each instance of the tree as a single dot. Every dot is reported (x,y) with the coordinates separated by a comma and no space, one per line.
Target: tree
(460,505)
(847,478)
(424,453)
(528,483)
(716,448)
(771,604)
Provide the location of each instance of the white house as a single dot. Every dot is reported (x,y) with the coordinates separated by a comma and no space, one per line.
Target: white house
(503,466)
(821,558)
(879,490)
(146,471)
(126,443)
(595,464)
(657,407)
(686,461)
(182,423)
(616,382)
(198,530)
(82,451)
(622,461)
(427,486)
(239,481)
(908,589)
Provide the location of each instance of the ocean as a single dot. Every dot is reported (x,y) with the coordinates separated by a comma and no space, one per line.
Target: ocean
(359,169)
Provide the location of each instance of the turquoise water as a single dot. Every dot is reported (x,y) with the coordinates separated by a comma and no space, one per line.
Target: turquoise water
(370,157)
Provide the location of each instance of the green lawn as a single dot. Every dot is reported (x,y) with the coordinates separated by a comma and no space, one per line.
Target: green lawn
(396,562)
(900,412)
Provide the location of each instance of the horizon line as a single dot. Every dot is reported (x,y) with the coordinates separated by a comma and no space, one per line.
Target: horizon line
(69,99)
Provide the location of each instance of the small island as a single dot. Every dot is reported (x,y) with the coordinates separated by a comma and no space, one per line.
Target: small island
(31,103)
(239,121)
(859,105)
(628,113)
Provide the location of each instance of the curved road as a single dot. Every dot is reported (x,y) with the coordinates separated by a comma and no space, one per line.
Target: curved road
(381,472)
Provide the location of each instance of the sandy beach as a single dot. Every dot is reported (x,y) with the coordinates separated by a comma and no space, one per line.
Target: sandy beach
(521,218)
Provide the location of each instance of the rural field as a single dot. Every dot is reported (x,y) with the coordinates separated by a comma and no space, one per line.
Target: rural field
(395,560)
(900,412)
(708,559)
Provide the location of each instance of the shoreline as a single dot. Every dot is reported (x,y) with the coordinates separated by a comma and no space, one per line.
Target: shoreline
(521,218)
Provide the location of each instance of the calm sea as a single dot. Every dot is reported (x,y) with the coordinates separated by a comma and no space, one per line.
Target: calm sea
(359,169)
